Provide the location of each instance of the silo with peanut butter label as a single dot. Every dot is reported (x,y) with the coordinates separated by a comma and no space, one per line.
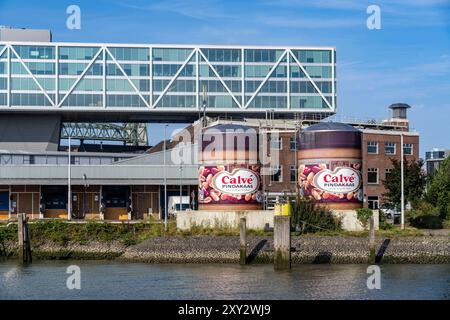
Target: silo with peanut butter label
(229,171)
(329,165)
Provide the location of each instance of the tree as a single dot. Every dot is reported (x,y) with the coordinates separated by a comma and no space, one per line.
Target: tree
(414,182)
(438,191)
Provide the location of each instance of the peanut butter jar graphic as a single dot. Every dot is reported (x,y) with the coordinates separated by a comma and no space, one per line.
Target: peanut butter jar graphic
(329,165)
(229,172)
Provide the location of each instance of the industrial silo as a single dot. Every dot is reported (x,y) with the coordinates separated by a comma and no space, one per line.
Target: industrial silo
(229,170)
(329,165)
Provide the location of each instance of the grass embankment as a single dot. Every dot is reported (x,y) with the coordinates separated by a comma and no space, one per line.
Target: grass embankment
(102,240)
(62,236)
(62,233)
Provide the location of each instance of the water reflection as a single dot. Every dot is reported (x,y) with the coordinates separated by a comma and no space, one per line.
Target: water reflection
(103,280)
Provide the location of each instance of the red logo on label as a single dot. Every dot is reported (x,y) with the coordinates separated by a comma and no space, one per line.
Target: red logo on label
(240,181)
(237,180)
(341,180)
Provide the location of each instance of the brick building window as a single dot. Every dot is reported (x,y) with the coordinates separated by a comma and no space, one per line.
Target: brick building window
(387,173)
(407,149)
(389,148)
(293,174)
(373,202)
(372,175)
(276,143)
(292,144)
(277,174)
(372,147)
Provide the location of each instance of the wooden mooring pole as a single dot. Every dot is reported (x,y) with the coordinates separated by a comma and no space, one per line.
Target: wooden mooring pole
(282,242)
(242,241)
(372,255)
(23,234)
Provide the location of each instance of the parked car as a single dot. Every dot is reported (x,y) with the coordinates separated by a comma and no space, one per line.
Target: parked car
(391,214)
(174,205)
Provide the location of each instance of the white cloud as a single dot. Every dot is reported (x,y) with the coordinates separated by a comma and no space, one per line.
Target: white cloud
(309,23)
(200,9)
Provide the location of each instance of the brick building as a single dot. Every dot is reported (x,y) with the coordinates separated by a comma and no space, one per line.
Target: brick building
(380,144)
(379,148)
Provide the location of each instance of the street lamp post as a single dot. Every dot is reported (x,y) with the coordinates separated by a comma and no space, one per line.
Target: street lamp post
(165,182)
(69,188)
(181,187)
(402,187)
(204,105)
(86,185)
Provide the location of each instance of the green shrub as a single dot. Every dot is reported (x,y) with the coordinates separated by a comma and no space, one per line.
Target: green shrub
(8,233)
(363,215)
(383,223)
(425,216)
(129,239)
(446,224)
(427,222)
(308,217)
(438,190)
(54,231)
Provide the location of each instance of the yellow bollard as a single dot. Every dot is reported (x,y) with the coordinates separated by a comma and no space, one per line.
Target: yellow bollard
(278,209)
(283,209)
(286,209)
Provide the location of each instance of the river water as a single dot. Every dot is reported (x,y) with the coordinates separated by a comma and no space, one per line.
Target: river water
(115,280)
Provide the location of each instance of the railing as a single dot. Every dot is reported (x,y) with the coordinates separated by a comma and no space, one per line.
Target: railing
(129,133)
(57,174)
(62,159)
(364,122)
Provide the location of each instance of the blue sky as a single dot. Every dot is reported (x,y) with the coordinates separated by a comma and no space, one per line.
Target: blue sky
(408,60)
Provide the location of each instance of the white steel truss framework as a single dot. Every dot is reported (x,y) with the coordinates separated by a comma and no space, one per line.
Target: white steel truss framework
(149,97)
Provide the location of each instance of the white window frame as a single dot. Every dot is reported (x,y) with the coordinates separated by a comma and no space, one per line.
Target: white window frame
(412,149)
(293,167)
(376,145)
(386,171)
(395,148)
(280,168)
(293,140)
(377,201)
(373,170)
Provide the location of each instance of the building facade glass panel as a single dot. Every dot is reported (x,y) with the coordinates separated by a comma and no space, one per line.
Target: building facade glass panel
(30,99)
(262,55)
(30,84)
(35,52)
(242,78)
(135,54)
(313,56)
(77,53)
(76,69)
(84,100)
(222,55)
(171,54)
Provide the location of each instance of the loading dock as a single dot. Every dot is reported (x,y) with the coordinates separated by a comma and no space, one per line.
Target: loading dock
(145,201)
(54,201)
(24,199)
(116,202)
(86,202)
(4,204)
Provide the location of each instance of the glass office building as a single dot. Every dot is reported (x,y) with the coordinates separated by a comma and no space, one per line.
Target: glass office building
(124,78)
